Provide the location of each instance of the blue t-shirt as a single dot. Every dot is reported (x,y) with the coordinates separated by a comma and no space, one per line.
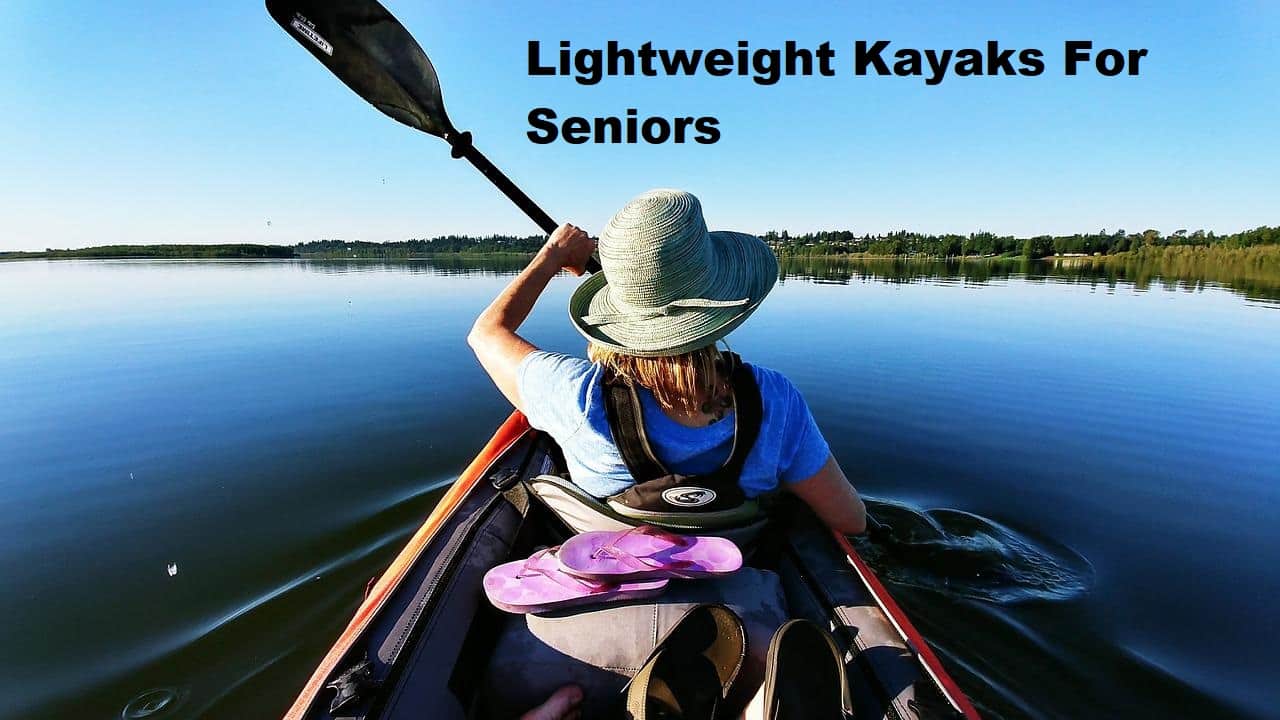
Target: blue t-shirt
(562,396)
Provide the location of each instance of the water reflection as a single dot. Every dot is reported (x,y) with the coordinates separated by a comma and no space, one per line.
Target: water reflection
(277,428)
(482,265)
(1254,282)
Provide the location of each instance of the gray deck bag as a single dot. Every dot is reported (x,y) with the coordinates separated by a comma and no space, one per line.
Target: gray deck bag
(600,648)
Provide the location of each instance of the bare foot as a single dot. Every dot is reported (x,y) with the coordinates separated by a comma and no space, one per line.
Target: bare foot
(562,705)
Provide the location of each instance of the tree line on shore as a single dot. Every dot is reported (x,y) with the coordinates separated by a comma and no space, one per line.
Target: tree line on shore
(418,247)
(222,251)
(835,243)
(844,242)
(841,242)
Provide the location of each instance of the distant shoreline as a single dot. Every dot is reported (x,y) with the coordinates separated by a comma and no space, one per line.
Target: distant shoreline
(222,252)
(1261,244)
(96,254)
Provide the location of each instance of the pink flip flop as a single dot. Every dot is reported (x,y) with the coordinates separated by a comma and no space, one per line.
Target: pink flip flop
(647,552)
(539,584)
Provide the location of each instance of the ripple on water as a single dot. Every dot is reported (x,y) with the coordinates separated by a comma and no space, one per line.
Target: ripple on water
(154,703)
(960,554)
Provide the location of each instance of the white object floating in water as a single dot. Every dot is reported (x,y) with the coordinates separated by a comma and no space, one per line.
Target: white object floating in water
(173,569)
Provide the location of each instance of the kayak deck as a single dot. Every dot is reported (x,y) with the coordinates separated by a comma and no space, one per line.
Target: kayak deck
(423,643)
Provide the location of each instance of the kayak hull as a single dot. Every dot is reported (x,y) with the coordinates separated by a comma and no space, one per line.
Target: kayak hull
(421,642)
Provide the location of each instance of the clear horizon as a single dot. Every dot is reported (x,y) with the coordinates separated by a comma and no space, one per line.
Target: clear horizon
(147,123)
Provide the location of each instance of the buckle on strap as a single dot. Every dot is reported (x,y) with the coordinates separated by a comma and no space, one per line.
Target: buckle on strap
(504,480)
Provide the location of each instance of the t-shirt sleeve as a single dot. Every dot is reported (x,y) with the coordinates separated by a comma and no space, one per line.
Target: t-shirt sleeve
(553,391)
(804,449)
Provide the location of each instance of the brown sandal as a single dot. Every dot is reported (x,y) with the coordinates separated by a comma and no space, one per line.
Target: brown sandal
(689,673)
(805,676)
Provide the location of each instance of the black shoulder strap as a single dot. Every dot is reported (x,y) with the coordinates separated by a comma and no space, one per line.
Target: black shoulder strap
(626,424)
(748,413)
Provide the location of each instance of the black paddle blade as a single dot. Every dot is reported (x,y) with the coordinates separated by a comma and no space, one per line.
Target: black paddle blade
(370,51)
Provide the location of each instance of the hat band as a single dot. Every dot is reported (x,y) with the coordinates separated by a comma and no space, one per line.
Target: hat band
(675,307)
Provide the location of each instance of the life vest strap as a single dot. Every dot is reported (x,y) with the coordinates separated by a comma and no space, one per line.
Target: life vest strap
(626,424)
(657,489)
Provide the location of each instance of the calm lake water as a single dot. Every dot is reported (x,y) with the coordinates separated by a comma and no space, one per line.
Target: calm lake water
(203,463)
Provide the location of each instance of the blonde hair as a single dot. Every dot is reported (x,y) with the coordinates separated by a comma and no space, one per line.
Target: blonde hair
(680,382)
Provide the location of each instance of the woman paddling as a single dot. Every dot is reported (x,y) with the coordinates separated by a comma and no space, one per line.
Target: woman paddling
(658,417)
(668,291)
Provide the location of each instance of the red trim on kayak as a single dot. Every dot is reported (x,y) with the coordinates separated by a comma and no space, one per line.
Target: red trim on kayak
(511,431)
(909,632)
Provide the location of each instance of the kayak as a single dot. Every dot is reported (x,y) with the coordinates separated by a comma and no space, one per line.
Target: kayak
(425,642)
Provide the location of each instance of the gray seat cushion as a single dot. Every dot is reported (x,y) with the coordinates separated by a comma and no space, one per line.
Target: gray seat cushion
(601,648)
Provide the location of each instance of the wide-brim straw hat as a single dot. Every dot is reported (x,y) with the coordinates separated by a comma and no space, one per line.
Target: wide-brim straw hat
(668,286)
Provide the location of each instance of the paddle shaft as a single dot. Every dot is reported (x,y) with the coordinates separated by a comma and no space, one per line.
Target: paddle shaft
(464,148)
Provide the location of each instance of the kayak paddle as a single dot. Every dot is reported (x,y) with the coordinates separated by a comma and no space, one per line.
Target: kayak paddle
(369,50)
(362,43)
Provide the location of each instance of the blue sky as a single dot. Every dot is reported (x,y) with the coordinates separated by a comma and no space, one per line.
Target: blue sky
(199,122)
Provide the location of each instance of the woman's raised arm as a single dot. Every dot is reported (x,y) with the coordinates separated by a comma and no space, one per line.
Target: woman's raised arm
(493,337)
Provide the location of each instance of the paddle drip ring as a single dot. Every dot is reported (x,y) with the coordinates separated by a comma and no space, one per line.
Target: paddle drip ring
(154,703)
